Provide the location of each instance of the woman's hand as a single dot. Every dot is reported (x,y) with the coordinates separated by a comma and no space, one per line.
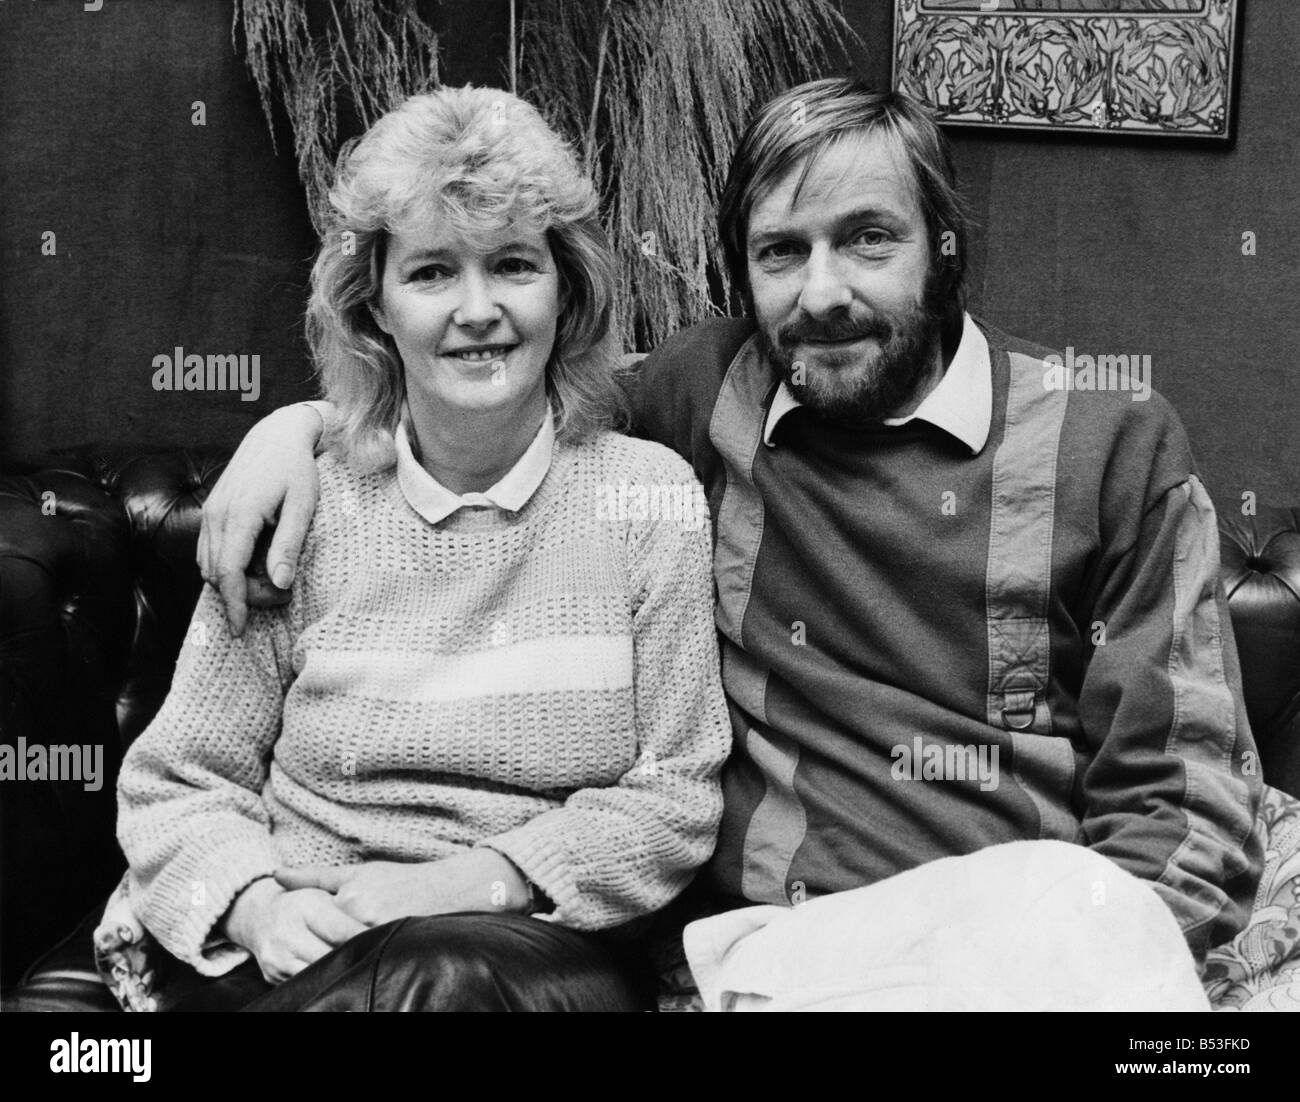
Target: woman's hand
(273,473)
(287,930)
(381,891)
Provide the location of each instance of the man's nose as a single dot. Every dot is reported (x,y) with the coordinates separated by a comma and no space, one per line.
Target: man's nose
(825,283)
(478,305)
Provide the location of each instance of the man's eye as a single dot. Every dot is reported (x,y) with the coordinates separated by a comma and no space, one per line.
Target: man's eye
(872,238)
(778,250)
(516,265)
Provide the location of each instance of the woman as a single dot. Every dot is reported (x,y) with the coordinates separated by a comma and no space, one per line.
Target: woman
(490,691)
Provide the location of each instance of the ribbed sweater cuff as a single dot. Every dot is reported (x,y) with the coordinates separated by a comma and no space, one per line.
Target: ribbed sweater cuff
(183,918)
(546,864)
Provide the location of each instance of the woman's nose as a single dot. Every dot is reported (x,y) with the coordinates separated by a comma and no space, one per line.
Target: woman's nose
(825,283)
(478,305)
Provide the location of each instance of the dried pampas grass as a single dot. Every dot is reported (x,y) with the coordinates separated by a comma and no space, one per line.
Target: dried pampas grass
(652,93)
(355,58)
(656,95)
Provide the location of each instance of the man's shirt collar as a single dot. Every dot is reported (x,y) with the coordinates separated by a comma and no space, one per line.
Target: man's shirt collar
(433,501)
(961,403)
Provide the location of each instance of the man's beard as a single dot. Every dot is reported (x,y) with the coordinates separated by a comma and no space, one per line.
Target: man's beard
(851,391)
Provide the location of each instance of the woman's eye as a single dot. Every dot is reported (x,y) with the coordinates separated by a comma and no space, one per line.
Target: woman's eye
(427,273)
(516,265)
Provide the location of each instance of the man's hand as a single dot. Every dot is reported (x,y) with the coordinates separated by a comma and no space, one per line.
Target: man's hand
(273,473)
(381,891)
(287,930)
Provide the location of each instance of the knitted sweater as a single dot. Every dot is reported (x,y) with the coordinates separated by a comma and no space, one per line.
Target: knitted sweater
(928,651)
(544,683)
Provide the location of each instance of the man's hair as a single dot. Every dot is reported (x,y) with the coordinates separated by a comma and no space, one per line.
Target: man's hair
(797,126)
(485,164)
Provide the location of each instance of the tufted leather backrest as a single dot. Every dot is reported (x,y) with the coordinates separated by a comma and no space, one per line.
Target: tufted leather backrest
(1260,567)
(97,583)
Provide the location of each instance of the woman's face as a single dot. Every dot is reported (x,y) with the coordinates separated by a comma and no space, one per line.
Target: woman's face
(474,329)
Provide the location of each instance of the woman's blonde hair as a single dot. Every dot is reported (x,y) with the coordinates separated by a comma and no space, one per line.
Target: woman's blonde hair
(479,161)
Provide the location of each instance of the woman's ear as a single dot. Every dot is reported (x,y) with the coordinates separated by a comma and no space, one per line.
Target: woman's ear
(564,296)
(378,261)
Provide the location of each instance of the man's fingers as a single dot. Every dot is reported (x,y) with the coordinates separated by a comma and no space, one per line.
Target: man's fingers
(233,590)
(234,555)
(325,877)
(201,555)
(212,525)
(260,593)
(290,532)
(259,590)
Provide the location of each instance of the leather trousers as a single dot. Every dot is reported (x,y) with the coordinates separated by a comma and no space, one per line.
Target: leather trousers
(442,963)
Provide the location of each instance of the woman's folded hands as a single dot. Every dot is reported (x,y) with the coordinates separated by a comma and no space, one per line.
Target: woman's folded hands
(302,914)
(376,892)
(287,930)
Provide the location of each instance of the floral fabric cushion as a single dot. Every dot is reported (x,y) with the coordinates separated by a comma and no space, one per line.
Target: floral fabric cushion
(1260,968)
(123,948)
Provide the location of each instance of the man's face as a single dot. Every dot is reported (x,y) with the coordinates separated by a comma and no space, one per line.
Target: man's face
(839,283)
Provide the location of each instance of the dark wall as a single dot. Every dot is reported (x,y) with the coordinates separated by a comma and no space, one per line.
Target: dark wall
(170,234)
(167,234)
(1134,246)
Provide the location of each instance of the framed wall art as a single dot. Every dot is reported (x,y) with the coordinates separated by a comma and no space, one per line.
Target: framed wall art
(1161,67)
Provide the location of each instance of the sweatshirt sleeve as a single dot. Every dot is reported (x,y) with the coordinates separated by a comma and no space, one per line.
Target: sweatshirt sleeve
(1172,791)
(609,855)
(191,820)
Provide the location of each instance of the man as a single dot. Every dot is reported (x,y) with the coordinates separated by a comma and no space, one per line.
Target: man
(983,686)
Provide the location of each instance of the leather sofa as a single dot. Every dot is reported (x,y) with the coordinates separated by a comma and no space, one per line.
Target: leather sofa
(97,583)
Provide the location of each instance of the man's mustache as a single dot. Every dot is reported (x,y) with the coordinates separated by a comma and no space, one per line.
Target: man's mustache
(800,332)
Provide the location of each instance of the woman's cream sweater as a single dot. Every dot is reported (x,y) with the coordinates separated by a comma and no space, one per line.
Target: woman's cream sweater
(542,682)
